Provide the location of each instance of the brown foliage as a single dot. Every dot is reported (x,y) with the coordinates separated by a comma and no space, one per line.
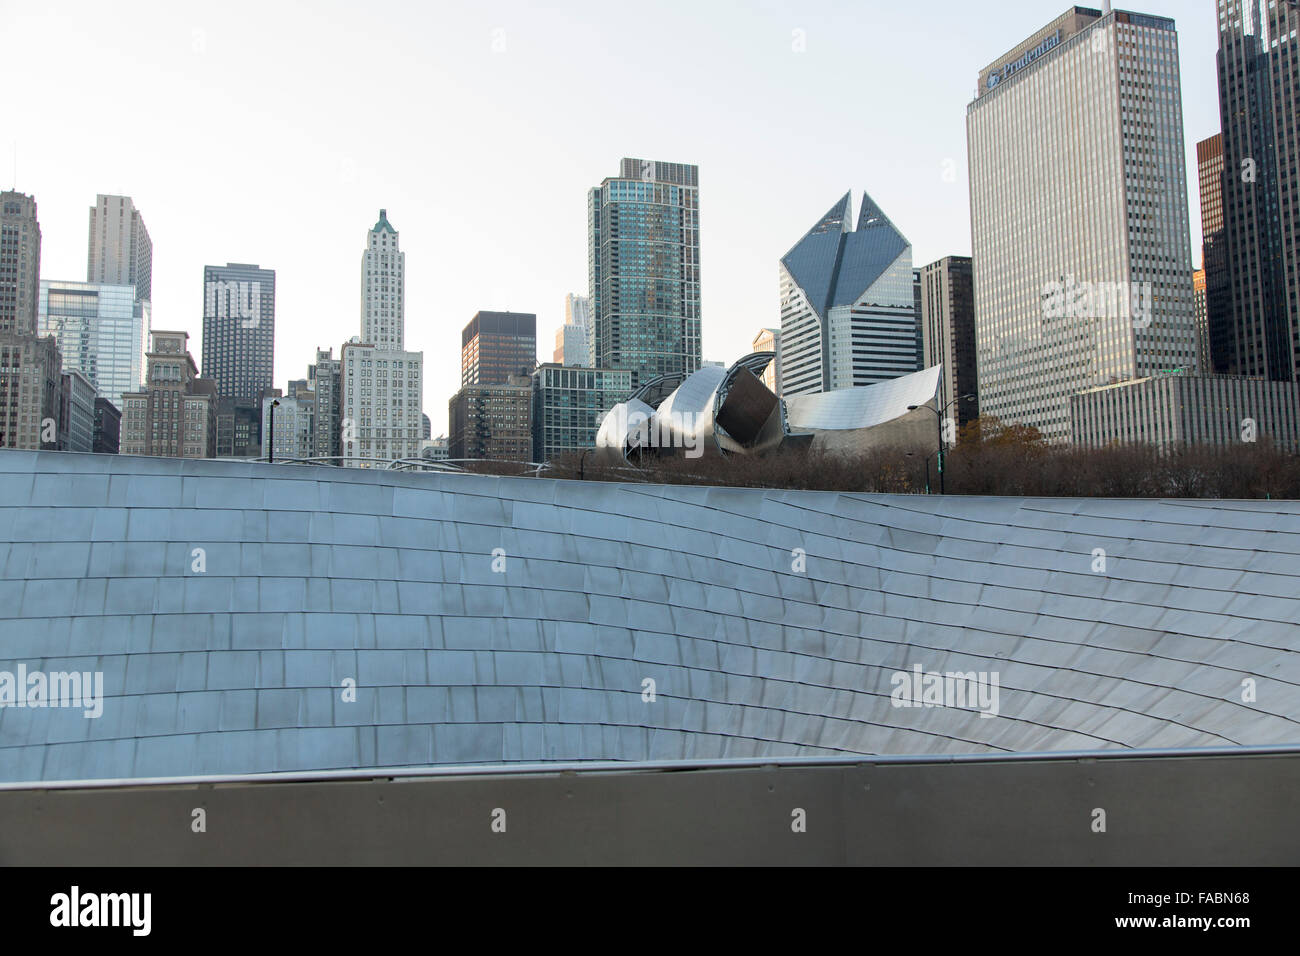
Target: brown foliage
(988,460)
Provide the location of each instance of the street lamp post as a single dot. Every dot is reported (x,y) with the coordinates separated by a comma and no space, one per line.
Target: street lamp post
(270,458)
(926,459)
(938,415)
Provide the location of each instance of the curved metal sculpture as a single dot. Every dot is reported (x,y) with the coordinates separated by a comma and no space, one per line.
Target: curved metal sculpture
(249,618)
(716,411)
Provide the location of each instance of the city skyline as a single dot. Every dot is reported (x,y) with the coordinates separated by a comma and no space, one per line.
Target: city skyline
(755,195)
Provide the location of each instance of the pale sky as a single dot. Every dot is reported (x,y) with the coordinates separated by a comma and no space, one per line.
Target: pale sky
(273,132)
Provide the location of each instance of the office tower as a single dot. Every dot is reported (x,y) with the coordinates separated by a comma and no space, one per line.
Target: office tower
(578,313)
(30,366)
(1259,100)
(1202,318)
(30,391)
(325,380)
(381,404)
(568,405)
(1079,220)
(383,288)
(102,331)
(916,312)
(426,427)
(848,307)
(492,421)
(119,251)
(382,385)
(496,345)
(948,334)
(643,269)
(573,340)
(239,329)
(1216,329)
(108,427)
(76,413)
(294,425)
(20,263)
(769,340)
(173,416)
(1177,409)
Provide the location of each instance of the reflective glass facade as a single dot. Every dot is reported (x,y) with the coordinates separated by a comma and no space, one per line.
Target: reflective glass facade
(568,404)
(102,331)
(119,251)
(496,345)
(1078,183)
(848,303)
(1259,102)
(644,269)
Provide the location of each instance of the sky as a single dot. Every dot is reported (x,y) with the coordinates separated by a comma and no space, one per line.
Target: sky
(273,133)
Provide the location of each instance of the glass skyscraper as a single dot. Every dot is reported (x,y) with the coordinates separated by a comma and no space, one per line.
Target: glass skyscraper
(848,303)
(102,331)
(643,266)
(568,405)
(1259,101)
(120,251)
(1079,215)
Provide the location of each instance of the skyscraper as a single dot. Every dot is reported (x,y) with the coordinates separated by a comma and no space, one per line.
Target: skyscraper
(1259,99)
(324,377)
(578,313)
(1202,317)
(239,329)
(383,289)
(1215,332)
(1079,219)
(948,333)
(382,385)
(102,331)
(568,405)
(496,345)
(119,251)
(643,266)
(848,308)
(30,367)
(573,340)
(20,263)
(76,412)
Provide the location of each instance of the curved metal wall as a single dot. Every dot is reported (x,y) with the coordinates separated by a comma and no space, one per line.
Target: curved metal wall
(772,622)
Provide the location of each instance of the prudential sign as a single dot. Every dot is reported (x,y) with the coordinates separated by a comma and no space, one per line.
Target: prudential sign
(1008,70)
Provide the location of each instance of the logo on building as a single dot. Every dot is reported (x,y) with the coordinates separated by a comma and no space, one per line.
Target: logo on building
(1006,70)
(234,299)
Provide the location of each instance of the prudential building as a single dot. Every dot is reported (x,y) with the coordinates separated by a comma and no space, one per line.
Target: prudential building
(1082,254)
